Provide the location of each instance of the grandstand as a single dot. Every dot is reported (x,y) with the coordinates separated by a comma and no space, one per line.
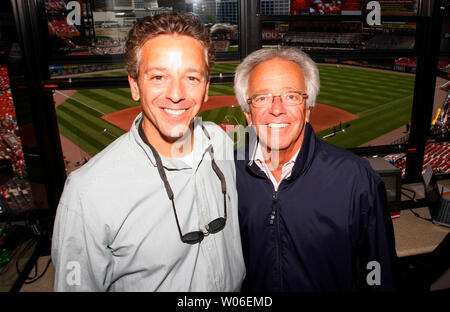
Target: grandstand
(352,5)
(57,24)
(16,197)
(55,5)
(11,148)
(323,39)
(101,50)
(6,101)
(437,154)
(10,145)
(69,41)
(391,41)
(61,32)
(319,7)
(405,64)
(60,28)
(441,122)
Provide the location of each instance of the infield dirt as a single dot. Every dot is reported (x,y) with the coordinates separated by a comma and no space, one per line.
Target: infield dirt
(322,117)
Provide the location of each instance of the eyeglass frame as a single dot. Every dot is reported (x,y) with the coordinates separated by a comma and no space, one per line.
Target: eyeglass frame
(171,196)
(301,93)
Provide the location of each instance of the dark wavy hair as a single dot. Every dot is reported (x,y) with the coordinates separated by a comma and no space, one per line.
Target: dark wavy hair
(166,23)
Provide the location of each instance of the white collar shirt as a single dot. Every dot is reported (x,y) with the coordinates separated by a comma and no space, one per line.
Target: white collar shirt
(115,227)
(286,170)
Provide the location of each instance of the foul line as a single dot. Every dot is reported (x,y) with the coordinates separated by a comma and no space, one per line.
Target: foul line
(383,106)
(66,96)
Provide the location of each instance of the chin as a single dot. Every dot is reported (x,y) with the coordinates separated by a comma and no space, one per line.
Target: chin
(177,132)
(278,146)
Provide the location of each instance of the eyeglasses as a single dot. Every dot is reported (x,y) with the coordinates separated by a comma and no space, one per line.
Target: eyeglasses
(214,226)
(288,98)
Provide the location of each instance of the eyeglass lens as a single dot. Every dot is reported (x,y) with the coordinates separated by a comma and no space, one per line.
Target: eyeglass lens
(197,236)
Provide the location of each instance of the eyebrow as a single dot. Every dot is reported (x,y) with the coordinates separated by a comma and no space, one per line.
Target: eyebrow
(164,69)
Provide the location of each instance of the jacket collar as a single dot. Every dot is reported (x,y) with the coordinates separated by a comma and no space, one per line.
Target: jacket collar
(306,154)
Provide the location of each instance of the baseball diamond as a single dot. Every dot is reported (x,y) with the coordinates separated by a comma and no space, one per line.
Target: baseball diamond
(354,106)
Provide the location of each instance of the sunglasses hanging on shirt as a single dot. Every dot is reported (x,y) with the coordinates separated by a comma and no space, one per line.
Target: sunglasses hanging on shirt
(214,226)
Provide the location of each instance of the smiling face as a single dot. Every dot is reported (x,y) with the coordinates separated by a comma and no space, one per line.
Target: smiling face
(280,128)
(172,86)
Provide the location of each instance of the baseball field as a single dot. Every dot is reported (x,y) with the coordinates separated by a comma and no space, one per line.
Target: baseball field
(376,101)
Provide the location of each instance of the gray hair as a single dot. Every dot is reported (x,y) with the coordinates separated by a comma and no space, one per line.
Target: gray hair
(295,55)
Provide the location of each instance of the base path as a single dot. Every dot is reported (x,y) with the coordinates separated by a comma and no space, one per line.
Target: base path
(322,117)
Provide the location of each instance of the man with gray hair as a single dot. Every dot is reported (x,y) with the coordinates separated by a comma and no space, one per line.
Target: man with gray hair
(313,217)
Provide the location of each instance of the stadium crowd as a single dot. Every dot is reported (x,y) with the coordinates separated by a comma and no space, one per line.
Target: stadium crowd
(441,124)
(323,39)
(55,5)
(10,145)
(61,28)
(437,154)
(57,23)
(321,7)
(391,41)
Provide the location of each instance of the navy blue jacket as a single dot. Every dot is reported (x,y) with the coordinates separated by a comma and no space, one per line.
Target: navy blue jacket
(322,227)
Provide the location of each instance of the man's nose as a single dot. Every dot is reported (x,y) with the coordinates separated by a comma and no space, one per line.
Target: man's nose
(175,91)
(277,107)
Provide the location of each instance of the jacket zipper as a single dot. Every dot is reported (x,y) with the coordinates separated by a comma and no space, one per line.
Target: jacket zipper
(274,210)
(273,218)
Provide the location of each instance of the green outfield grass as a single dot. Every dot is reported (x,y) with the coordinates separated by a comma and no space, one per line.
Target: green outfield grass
(224,68)
(381,100)
(79,117)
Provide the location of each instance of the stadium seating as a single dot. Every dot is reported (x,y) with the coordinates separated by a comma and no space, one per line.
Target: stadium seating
(390,41)
(437,156)
(120,49)
(55,5)
(442,123)
(61,28)
(329,39)
(6,102)
(10,145)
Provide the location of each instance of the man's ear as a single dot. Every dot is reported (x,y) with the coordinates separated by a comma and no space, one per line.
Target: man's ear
(248,116)
(206,92)
(308,113)
(134,87)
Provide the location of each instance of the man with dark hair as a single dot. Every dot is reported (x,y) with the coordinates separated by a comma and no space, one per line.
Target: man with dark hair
(313,216)
(157,209)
